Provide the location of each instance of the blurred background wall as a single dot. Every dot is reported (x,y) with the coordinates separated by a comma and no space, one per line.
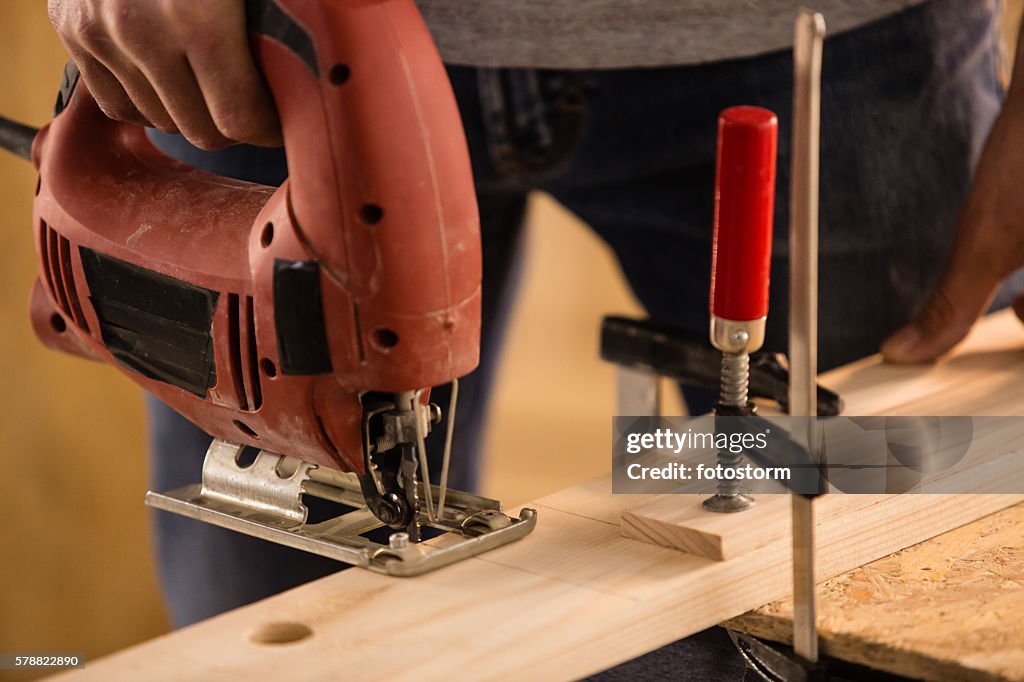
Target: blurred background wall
(75,567)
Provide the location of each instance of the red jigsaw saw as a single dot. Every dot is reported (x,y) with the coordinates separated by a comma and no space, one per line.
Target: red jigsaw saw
(309,321)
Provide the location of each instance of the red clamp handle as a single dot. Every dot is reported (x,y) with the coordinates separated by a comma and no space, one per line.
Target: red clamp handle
(744,202)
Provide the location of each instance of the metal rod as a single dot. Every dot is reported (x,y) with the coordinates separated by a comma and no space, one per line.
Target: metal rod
(421,450)
(637,392)
(447,453)
(805,625)
(803,305)
(803,215)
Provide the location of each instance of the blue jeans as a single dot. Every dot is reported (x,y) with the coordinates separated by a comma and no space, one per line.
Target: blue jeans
(907,104)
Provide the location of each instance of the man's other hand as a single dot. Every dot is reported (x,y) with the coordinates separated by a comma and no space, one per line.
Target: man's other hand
(178,65)
(989,245)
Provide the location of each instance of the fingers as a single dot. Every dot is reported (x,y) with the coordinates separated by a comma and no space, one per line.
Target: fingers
(181,99)
(982,256)
(989,245)
(1018,307)
(237,97)
(180,65)
(107,90)
(961,297)
(120,89)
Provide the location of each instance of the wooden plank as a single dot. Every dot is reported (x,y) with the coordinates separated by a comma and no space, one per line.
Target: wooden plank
(573,598)
(947,609)
(982,377)
(681,522)
(985,371)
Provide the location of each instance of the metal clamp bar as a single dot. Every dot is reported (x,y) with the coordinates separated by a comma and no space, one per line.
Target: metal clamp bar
(803,305)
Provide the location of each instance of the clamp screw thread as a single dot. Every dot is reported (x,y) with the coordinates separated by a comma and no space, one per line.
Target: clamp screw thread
(735,379)
(735,384)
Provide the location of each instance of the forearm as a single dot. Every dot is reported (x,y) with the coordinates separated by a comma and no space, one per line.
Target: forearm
(989,244)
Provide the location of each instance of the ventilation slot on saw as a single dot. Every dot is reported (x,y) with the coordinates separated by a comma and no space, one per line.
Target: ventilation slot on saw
(244,358)
(60,278)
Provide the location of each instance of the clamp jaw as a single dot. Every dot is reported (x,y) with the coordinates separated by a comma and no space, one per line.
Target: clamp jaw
(654,349)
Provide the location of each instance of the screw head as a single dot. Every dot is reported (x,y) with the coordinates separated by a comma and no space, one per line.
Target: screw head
(740,337)
(728,504)
(398,540)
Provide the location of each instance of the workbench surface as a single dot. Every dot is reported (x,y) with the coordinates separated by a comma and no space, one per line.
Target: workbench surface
(576,597)
(949,608)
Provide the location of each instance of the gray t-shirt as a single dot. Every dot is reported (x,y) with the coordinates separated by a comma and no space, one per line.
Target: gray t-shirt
(628,33)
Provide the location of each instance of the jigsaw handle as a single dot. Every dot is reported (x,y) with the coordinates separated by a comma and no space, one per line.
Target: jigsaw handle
(380,192)
(375,146)
(263,316)
(380,186)
(744,201)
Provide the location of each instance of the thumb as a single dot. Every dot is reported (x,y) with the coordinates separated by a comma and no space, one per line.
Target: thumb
(1018,307)
(962,295)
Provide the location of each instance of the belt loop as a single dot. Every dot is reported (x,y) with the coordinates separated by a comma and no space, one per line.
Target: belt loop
(495,121)
(532,118)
